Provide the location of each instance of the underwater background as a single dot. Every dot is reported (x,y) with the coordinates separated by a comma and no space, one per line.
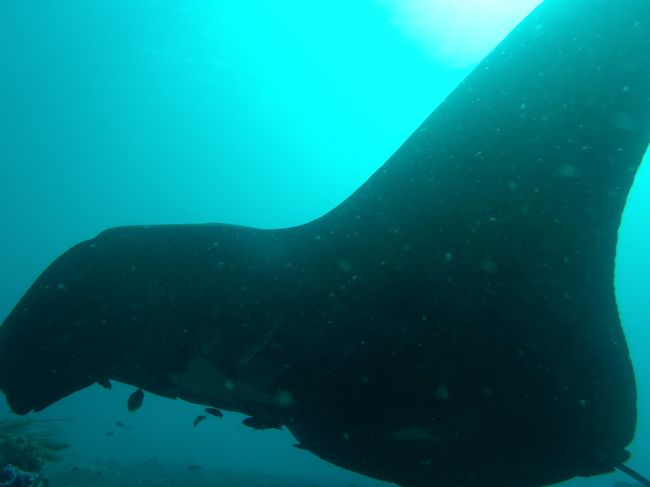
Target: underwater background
(256,113)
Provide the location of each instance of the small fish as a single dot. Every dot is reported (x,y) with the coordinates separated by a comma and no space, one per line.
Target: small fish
(120,424)
(135,400)
(194,466)
(105,383)
(198,419)
(214,412)
(109,433)
(261,424)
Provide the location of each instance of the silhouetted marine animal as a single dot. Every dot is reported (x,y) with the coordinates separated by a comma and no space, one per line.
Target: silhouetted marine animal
(214,412)
(198,419)
(452,323)
(135,400)
(261,423)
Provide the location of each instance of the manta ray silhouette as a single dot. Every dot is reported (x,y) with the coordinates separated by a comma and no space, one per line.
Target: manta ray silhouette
(452,323)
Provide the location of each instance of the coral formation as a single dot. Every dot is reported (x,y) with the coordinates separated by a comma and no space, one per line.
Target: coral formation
(11,476)
(29,444)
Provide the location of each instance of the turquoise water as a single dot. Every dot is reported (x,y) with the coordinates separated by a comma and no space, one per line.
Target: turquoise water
(266,114)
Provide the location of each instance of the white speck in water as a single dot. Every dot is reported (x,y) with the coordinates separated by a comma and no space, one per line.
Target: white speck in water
(442,393)
(567,171)
(284,399)
(344,265)
(488,265)
(623,121)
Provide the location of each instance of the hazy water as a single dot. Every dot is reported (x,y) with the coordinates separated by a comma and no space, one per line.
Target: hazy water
(259,113)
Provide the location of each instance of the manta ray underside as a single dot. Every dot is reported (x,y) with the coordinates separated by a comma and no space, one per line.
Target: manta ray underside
(452,323)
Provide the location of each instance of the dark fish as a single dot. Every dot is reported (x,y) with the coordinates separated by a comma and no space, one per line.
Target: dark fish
(135,400)
(198,419)
(194,466)
(105,383)
(110,433)
(214,412)
(261,424)
(120,424)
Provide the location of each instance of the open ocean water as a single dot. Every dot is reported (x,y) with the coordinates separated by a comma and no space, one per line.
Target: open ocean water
(257,113)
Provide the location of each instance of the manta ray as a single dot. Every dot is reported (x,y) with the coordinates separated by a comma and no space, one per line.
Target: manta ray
(452,323)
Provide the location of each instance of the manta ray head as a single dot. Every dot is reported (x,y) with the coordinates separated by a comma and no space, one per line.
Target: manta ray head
(41,371)
(104,310)
(51,345)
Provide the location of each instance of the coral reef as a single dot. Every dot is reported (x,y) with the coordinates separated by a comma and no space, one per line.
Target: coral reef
(11,476)
(29,444)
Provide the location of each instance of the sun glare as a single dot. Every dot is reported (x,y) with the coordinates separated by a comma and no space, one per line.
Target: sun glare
(459,32)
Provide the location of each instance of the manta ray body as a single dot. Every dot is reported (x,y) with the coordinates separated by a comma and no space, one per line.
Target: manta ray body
(452,323)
